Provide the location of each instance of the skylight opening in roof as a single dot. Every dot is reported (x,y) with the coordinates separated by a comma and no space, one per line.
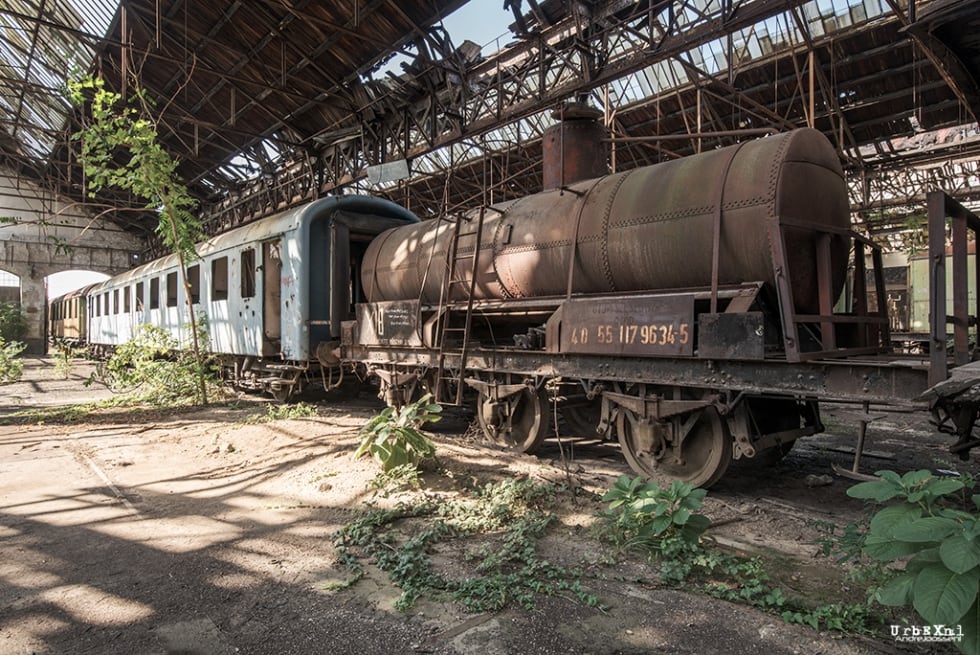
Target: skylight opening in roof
(483,23)
(41,42)
(767,38)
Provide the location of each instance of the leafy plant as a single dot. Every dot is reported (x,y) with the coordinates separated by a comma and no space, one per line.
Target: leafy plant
(666,524)
(393,436)
(64,359)
(150,368)
(11,368)
(282,412)
(935,546)
(509,517)
(13,325)
(120,148)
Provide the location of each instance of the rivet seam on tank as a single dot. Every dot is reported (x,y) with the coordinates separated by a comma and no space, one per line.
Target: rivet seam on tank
(538,246)
(748,202)
(504,291)
(604,244)
(666,216)
(777,162)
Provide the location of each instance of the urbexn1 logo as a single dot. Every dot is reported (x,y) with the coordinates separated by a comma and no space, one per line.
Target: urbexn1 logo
(927,633)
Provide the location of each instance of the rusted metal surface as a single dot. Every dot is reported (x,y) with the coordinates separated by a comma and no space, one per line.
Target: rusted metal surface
(731,336)
(635,327)
(573,149)
(643,230)
(874,381)
(941,207)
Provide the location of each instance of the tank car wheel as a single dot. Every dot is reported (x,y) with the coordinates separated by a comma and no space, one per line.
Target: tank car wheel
(706,452)
(519,422)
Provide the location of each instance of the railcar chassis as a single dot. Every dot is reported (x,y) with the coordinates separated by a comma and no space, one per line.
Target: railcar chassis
(685,419)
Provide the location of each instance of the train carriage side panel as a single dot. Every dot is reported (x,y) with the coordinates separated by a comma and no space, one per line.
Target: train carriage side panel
(319,284)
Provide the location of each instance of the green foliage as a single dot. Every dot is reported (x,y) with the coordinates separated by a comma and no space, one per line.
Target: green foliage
(121,149)
(150,369)
(282,412)
(11,368)
(64,358)
(398,478)
(508,518)
(844,546)
(665,524)
(935,545)
(393,436)
(60,414)
(13,325)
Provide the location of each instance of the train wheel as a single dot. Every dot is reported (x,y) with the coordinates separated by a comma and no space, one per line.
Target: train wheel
(705,454)
(519,421)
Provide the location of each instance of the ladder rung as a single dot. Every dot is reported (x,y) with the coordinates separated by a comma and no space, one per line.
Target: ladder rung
(466,234)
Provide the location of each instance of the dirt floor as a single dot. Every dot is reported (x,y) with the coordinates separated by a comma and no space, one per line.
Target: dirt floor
(201,532)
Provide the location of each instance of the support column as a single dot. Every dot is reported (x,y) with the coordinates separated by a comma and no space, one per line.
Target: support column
(33,304)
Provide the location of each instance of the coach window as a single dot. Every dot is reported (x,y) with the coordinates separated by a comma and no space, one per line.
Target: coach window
(127,299)
(139,296)
(105,303)
(194,282)
(219,279)
(171,289)
(115,301)
(248,273)
(155,293)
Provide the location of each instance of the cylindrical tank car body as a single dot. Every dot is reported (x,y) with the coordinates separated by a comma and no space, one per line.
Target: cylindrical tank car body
(647,229)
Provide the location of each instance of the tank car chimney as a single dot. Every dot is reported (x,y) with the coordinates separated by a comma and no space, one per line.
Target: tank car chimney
(573,149)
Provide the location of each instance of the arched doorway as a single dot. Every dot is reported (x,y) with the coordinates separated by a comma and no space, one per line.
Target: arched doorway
(12,323)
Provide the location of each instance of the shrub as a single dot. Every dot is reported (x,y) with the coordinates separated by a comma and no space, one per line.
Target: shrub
(935,547)
(393,436)
(149,368)
(662,521)
(11,368)
(13,325)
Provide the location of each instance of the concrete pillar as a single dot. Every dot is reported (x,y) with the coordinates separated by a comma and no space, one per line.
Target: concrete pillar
(33,304)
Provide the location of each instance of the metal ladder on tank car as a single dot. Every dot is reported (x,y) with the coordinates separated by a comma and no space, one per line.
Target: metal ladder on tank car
(445,312)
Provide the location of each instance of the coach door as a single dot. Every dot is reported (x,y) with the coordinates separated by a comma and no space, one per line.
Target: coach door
(271,297)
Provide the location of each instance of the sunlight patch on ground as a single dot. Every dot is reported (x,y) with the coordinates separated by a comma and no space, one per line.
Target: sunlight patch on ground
(96,607)
(180,534)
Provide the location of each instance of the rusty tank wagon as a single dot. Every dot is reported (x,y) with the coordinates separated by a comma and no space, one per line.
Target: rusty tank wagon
(697,310)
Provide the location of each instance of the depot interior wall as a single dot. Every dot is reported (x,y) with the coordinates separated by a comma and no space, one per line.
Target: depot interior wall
(41,234)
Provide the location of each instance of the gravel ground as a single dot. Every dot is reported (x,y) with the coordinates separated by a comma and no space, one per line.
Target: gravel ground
(200,532)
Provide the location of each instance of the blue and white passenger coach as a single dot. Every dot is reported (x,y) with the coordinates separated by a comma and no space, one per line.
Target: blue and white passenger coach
(274,292)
